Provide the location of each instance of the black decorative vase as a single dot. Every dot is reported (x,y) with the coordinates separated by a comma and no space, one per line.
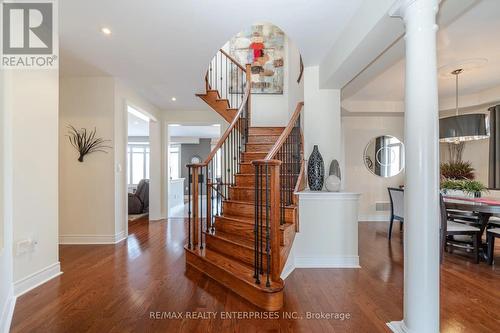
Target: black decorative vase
(315,170)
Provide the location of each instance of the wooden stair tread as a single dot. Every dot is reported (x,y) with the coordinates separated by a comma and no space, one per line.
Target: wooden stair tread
(251,203)
(235,218)
(236,269)
(236,239)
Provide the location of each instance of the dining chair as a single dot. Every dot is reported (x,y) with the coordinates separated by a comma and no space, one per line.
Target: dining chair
(494,222)
(454,228)
(491,234)
(396,196)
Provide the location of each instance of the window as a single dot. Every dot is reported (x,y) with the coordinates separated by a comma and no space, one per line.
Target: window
(173,164)
(137,162)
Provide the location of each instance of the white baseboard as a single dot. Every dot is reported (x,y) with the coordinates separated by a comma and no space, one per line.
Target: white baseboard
(327,262)
(38,278)
(7,313)
(397,327)
(373,218)
(92,239)
(121,236)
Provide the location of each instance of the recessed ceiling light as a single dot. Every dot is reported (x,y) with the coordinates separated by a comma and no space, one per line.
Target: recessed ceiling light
(174,99)
(106,31)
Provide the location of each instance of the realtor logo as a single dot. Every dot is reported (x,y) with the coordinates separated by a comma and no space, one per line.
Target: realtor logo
(28,34)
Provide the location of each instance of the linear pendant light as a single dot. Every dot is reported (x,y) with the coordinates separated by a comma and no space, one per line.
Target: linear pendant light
(462,128)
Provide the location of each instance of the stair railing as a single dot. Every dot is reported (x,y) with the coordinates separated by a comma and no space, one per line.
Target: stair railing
(277,178)
(226,75)
(209,182)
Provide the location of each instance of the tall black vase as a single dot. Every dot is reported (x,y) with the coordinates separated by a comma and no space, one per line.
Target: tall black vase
(315,170)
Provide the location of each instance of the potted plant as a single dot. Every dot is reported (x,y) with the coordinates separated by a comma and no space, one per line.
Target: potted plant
(467,187)
(457,170)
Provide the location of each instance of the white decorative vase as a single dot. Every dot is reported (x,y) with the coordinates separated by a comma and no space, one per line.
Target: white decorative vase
(332,183)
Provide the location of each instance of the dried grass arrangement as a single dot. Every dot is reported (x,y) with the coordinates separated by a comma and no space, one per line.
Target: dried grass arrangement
(86,142)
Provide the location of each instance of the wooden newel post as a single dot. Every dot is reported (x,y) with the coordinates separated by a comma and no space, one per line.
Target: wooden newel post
(270,190)
(273,167)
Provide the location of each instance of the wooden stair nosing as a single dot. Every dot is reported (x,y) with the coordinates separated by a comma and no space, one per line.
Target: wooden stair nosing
(237,278)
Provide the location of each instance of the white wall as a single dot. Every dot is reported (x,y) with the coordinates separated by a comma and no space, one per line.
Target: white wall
(322,122)
(195,117)
(275,110)
(357,133)
(125,95)
(94,193)
(295,90)
(158,171)
(87,189)
(6,263)
(32,111)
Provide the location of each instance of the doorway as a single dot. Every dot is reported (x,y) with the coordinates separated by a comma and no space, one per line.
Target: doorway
(187,144)
(138,164)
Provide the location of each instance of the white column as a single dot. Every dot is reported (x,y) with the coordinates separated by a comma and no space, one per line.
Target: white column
(421,227)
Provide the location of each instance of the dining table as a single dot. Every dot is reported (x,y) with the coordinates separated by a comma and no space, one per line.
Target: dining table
(483,208)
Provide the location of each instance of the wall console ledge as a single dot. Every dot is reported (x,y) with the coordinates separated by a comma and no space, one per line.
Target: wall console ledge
(328,236)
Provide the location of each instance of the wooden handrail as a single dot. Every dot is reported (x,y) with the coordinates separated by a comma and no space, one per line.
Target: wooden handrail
(230,128)
(281,140)
(232,59)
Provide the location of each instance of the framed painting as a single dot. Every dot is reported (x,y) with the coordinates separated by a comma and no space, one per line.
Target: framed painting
(262,46)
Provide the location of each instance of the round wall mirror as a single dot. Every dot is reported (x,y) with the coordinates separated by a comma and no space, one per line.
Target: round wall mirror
(384,156)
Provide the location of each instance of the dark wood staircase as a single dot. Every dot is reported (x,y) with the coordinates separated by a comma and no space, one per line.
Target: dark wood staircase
(243,214)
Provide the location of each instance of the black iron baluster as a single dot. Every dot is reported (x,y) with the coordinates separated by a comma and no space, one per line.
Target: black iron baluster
(227,97)
(255,227)
(268,246)
(189,206)
(221,87)
(283,185)
(200,202)
(261,221)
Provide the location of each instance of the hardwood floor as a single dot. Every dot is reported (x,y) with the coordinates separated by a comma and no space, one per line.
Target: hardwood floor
(114,288)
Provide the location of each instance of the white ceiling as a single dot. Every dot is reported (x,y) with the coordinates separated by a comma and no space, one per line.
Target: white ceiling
(137,126)
(473,35)
(206,132)
(162,48)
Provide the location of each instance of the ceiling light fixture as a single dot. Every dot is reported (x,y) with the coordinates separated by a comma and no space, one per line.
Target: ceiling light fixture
(174,99)
(106,31)
(462,128)
(174,125)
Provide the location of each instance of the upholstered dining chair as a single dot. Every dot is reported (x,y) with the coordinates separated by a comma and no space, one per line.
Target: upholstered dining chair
(453,228)
(494,222)
(396,196)
(491,234)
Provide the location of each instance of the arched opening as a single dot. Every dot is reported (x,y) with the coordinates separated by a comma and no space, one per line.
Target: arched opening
(276,73)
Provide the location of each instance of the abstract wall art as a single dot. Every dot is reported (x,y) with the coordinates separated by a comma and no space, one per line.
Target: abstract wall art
(262,46)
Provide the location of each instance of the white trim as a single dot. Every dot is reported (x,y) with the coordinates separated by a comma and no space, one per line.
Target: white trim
(314,195)
(121,236)
(398,327)
(289,266)
(36,279)
(327,262)
(92,239)
(7,313)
